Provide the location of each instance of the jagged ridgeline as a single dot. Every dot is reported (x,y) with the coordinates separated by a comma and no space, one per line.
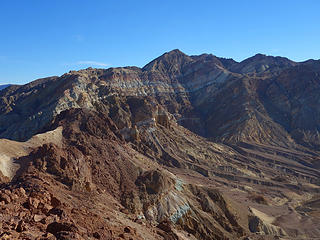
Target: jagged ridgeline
(187,147)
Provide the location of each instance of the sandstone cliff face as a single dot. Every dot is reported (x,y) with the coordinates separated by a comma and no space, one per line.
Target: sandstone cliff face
(176,148)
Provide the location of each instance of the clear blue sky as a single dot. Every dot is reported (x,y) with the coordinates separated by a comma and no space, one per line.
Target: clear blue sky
(42,38)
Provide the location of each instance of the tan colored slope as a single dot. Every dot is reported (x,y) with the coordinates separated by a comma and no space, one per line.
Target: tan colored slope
(263,216)
(10,150)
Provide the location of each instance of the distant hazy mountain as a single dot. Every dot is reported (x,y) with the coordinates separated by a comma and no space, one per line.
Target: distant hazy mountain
(4,86)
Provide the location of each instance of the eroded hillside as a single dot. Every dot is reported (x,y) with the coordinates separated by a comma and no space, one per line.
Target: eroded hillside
(187,147)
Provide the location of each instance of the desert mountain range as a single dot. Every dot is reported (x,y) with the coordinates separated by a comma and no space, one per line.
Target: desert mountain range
(186,147)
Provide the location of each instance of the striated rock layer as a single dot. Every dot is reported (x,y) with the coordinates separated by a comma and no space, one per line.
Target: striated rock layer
(187,147)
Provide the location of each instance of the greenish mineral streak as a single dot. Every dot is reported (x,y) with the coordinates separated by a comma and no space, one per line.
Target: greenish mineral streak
(180,212)
(179,184)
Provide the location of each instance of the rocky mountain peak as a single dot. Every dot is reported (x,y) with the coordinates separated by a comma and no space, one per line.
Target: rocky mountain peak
(261,63)
(169,63)
(268,58)
(228,62)
(205,58)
